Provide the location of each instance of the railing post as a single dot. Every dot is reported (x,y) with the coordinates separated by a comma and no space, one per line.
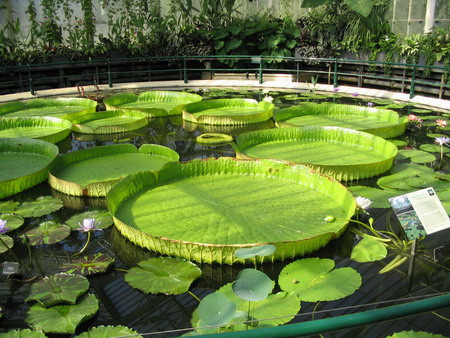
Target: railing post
(413,82)
(185,75)
(110,84)
(260,73)
(335,74)
(30,80)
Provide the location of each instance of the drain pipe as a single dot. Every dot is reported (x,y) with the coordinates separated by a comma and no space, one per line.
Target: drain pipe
(345,321)
(429,16)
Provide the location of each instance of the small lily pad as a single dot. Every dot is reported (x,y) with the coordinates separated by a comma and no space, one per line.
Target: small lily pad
(416,156)
(420,111)
(62,318)
(397,181)
(369,250)
(25,333)
(216,309)
(8,206)
(6,240)
(103,219)
(163,275)
(58,289)
(109,331)
(314,280)
(399,143)
(13,222)
(262,250)
(252,285)
(415,334)
(48,232)
(88,265)
(434,148)
(378,197)
(43,205)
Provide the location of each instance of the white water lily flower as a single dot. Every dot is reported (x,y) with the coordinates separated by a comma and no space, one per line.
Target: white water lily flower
(363,203)
(266,91)
(3,227)
(268,99)
(441,140)
(89,224)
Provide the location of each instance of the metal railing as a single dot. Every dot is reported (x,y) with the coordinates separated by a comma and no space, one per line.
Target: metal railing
(403,76)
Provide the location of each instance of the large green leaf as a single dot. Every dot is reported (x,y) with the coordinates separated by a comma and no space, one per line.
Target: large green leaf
(363,7)
(252,285)
(153,103)
(103,219)
(50,129)
(109,331)
(343,153)
(110,122)
(64,108)
(314,280)
(369,250)
(238,197)
(216,309)
(58,289)
(88,265)
(93,171)
(163,275)
(24,163)
(381,122)
(48,232)
(228,111)
(25,333)
(62,318)
(277,309)
(43,205)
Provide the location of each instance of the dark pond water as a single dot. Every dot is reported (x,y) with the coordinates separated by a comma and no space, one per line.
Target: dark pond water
(154,314)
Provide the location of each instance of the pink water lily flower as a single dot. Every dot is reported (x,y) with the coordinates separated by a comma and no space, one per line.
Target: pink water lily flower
(412,117)
(355,94)
(370,104)
(441,123)
(89,224)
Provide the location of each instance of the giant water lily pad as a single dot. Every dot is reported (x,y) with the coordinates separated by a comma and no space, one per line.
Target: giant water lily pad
(233,204)
(62,318)
(109,331)
(103,219)
(64,108)
(58,289)
(93,171)
(343,153)
(48,232)
(381,122)
(228,111)
(41,206)
(109,122)
(25,333)
(163,275)
(314,280)
(88,265)
(276,309)
(153,103)
(24,163)
(50,129)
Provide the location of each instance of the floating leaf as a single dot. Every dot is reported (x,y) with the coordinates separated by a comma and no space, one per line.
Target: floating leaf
(109,331)
(434,148)
(216,309)
(103,219)
(5,240)
(369,250)
(58,288)
(262,250)
(378,197)
(163,275)
(48,232)
(8,206)
(276,309)
(399,143)
(252,285)
(397,181)
(12,221)
(43,205)
(88,265)
(314,280)
(25,333)
(416,156)
(415,334)
(62,318)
